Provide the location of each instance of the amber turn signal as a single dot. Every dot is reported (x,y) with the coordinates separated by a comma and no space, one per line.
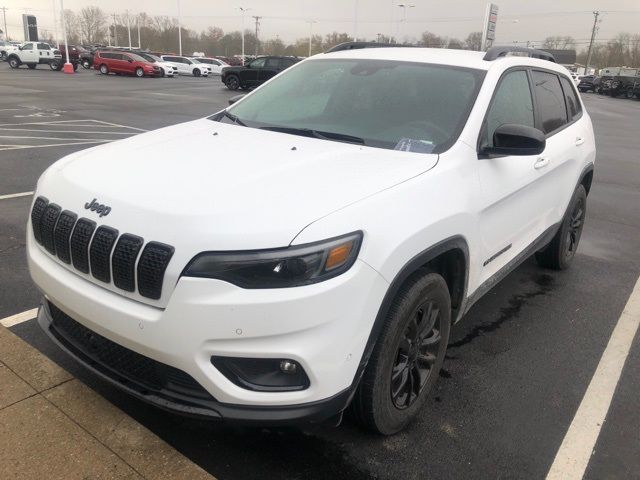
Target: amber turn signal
(338,255)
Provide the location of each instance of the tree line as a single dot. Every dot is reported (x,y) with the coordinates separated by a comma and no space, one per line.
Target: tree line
(92,25)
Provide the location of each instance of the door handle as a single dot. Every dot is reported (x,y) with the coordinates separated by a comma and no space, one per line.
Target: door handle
(579,141)
(541,163)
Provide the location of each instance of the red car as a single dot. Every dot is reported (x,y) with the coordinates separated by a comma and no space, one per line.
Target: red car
(124,62)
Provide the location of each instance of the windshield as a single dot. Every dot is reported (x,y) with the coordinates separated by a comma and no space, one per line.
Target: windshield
(148,58)
(379,103)
(136,57)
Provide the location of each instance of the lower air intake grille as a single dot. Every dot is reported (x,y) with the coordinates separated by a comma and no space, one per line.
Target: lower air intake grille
(121,364)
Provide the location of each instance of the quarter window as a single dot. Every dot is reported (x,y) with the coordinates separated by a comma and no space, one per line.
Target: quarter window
(550,101)
(571,97)
(512,103)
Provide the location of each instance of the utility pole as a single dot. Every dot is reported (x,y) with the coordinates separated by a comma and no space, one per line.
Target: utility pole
(257,30)
(404,7)
(596,14)
(311,22)
(55,24)
(115,31)
(243,10)
(179,30)
(128,28)
(138,24)
(355,22)
(4,13)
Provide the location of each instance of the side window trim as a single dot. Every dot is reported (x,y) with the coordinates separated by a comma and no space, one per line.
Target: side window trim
(493,96)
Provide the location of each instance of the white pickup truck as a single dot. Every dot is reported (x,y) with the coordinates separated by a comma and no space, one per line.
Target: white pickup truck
(33,53)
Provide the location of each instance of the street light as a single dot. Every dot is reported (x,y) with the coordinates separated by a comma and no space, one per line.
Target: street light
(67,68)
(179,30)
(311,22)
(243,10)
(404,7)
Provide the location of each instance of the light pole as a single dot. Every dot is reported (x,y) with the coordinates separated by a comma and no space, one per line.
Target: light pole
(129,29)
(355,22)
(55,23)
(404,7)
(68,68)
(138,24)
(243,10)
(311,22)
(179,31)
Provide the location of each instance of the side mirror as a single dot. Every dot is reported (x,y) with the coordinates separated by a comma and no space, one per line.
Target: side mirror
(233,100)
(514,139)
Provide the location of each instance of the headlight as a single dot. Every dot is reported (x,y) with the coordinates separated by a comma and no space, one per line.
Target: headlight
(281,267)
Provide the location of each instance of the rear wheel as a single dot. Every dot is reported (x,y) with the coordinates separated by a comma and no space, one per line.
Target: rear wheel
(75,67)
(139,72)
(86,64)
(407,358)
(196,72)
(55,66)
(561,250)
(104,69)
(232,82)
(629,93)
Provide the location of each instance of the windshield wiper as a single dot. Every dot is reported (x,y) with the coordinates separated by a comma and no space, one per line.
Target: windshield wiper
(308,132)
(233,118)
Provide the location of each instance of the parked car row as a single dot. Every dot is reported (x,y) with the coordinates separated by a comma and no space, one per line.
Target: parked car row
(611,85)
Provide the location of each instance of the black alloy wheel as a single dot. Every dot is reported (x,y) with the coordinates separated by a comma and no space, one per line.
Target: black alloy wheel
(232,82)
(416,355)
(574,231)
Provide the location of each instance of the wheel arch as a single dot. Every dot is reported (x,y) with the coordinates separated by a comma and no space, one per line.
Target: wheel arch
(13,55)
(449,258)
(586,178)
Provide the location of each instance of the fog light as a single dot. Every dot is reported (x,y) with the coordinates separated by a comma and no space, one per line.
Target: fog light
(263,374)
(287,366)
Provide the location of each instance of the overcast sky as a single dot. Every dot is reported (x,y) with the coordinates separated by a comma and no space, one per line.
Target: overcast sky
(289,19)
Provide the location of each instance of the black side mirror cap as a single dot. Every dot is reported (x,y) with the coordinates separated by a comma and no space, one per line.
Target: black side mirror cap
(233,100)
(515,139)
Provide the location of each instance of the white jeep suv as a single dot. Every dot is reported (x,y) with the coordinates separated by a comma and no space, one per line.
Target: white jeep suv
(367,199)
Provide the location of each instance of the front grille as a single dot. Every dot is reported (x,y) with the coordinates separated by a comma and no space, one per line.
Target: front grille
(121,364)
(100,252)
(78,242)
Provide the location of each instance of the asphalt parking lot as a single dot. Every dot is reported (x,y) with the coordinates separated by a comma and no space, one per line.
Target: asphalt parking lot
(518,365)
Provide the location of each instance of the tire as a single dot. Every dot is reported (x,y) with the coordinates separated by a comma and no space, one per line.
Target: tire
(196,72)
(104,70)
(388,396)
(232,82)
(86,64)
(139,72)
(560,252)
(162,73)
(629,93)
(14,62)
(75,67)
(55,66)
(32,66)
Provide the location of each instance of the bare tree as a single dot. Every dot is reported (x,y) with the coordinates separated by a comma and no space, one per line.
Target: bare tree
(92,24)
(559,43)
(432,40)
(71,26)
(474,41)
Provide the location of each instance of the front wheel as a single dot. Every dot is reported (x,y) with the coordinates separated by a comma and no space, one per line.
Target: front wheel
(104,69)
(14,62)
(196,72)
(562,249)
(55,66)
(86,64)
(232,82)
(139,72)
(408,355)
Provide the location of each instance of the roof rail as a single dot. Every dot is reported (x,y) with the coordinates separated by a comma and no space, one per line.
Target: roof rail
(356,45)
(496,52)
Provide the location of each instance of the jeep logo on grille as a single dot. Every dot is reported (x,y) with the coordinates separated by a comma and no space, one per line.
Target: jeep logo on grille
(99,208)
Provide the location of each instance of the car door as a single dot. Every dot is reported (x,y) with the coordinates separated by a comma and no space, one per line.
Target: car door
(45,53)
(127,64)
(559,111)
(514,200)
(271,68)
(249,74)
(28,53)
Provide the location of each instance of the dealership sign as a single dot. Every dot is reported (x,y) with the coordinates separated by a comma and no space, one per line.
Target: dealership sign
(489,28)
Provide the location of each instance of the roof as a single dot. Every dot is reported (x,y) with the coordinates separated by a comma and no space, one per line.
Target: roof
(441,56)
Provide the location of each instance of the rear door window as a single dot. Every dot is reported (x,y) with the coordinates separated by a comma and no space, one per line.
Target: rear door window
(549,100)
(272,63)
(571,97)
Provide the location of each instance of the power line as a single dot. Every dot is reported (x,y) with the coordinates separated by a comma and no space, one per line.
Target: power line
(257,18)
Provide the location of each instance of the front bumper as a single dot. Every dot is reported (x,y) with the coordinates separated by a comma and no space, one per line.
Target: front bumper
(324,327)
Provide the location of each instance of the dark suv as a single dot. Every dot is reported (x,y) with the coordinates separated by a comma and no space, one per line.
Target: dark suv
(589,83)
(255,72)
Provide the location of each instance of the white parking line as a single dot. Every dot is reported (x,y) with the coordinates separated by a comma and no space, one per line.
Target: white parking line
(65,131)
(15,195)
(24,147)
(577,447)
(19,318)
